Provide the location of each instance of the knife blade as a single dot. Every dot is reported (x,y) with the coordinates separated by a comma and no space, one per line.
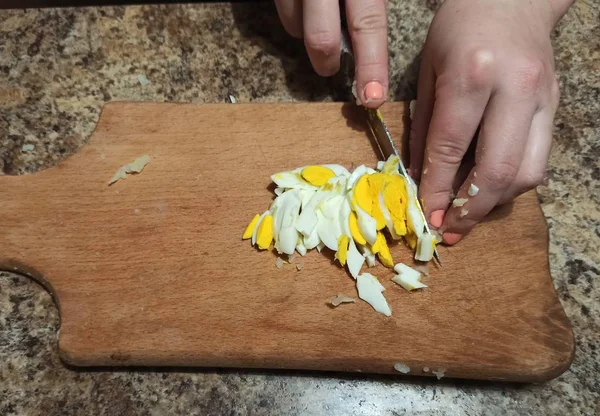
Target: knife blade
(380,132)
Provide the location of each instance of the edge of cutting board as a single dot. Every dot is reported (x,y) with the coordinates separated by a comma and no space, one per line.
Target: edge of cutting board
(73,356)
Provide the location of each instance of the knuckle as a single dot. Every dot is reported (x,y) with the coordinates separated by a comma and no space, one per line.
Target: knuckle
(448,152)
(371,19)
(529,180)
(325,42)
(479,70)
(501,176)
(530,75)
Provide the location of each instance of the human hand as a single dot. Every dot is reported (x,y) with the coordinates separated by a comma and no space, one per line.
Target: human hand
(486,65)
(318,22)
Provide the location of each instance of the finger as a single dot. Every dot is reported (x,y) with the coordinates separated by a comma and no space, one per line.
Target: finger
(537,153)
(419,125)
(290,14)
(502,141)
(457,113)
(323,35)
(367,24)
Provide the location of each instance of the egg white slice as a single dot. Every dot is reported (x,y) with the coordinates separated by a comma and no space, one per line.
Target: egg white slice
(345,211)
(312,240)
(370,290)
(301,249)
(366,224)
(388,218)
(308,218)
(329,231)
(287,214)
(425,247)
(354,260)
(368,255)
(407,277)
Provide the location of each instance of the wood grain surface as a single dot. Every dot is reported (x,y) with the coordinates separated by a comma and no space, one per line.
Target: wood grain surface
(152,271)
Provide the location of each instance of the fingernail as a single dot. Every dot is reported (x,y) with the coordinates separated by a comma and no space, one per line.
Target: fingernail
(437,218)
(373,91)
(451,238)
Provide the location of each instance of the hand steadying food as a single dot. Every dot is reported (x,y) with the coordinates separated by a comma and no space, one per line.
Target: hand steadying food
(486,65)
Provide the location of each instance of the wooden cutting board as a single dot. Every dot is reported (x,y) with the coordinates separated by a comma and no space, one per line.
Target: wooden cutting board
(152,271)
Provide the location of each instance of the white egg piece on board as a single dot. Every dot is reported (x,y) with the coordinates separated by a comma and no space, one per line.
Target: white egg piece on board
(370,290)
(407,277)
(354,260)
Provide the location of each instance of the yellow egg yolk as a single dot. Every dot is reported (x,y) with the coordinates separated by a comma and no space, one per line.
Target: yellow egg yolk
(264,234)
(383,251)
(411,239)
(250,228)
(394,198)
(376,184)
(342,253)
(354,230)
(317,175)
(362,194)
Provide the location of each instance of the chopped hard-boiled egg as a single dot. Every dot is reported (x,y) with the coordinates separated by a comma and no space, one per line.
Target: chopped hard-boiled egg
(369,290)
(320,206)
(407,277)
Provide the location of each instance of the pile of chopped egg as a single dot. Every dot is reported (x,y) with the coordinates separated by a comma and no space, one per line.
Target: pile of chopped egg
(349,213)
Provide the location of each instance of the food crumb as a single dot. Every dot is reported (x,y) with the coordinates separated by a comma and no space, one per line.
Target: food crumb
(134,167)
(27,147)
(459,202)
(291,258)
(426,369)
(439,373)
(464,212)
(279,263)
(299,266)
(232,99)
(473,190)
(143,80)
(402,368)
(339,299)
(136,211)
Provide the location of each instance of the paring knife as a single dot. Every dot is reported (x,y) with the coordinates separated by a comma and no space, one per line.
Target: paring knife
(380,132)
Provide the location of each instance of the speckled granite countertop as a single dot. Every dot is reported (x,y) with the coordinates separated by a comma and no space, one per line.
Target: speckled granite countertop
(57,68)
